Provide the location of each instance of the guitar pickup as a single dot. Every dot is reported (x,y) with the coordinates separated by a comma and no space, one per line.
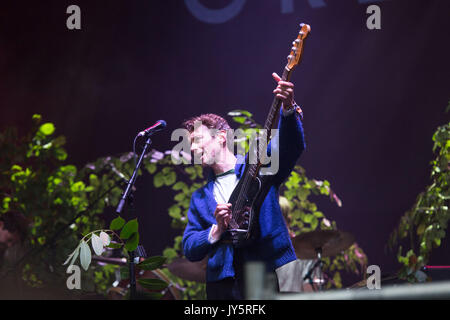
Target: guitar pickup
(238,230)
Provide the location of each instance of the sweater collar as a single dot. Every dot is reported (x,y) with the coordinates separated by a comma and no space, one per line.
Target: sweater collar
(238,169)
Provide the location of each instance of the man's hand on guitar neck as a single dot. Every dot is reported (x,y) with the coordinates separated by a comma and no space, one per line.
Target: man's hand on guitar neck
(284,91)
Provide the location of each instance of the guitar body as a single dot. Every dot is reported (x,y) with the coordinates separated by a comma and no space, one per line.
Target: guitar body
(246,205)
(245,209)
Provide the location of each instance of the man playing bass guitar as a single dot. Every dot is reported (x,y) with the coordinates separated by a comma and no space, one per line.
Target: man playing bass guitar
(210,213)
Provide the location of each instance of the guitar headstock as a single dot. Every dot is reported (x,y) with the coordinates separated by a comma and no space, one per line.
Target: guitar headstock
(297,47)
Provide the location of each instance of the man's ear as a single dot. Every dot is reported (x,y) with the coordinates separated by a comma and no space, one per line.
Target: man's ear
(223,136)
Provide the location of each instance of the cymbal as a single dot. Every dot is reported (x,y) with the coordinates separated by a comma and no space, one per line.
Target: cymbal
(330,242)
(187,270)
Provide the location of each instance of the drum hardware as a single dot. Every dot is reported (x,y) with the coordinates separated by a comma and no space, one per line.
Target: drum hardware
(317,244)
(319,265)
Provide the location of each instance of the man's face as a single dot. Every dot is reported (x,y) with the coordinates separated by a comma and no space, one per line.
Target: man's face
(7,239)
(206,147)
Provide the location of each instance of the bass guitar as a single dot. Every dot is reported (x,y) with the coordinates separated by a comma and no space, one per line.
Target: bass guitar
(252,188)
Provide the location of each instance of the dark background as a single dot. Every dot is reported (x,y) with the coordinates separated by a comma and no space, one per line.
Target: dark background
(371,98)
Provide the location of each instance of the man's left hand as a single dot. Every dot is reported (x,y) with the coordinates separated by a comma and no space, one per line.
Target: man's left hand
(284,91)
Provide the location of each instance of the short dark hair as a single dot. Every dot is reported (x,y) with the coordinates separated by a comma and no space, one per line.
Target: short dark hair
(210,120)
(15,222)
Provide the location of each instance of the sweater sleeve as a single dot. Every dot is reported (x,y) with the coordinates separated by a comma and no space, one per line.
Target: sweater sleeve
(195,238)
(288,145)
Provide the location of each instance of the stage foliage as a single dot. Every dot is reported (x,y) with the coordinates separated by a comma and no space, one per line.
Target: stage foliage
(62,204)
(424,225)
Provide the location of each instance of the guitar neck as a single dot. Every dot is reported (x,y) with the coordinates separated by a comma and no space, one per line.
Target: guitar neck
(269,124)
(276,104)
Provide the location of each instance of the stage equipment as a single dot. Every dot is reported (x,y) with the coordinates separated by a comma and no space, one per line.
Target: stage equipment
(158,126)
(320,243)
(127,197)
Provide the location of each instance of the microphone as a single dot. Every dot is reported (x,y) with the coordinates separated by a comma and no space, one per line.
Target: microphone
(158,126)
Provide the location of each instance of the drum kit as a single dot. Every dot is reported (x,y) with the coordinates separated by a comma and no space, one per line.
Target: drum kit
(313,245)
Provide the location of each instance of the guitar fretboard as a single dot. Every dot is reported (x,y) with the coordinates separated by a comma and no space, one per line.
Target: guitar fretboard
(268,125)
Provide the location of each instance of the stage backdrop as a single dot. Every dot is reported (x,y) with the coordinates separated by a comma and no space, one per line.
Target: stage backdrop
(372,98)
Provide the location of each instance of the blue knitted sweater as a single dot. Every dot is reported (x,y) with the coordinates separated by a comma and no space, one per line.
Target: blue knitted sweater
(273,246)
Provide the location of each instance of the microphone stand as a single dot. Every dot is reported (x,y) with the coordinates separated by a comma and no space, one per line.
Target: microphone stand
(126,196)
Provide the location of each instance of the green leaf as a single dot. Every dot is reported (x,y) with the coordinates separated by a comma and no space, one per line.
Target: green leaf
(97,244)
(117,223)
(170,253)
(47,128)
(93,180)
(130,228)
(151,168)
(179,197)
(318,214)
(16,167)
(85,255)
(175,211)
(239,112)
(192,172)
(158,179)
(240,120)
(152,263)
(170,178)
(179,186)
(36,117)
(114,245)
(150,295)
(77,186)
(133,242)
(308,218)
(314,223)
(246,113)
(153,284)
